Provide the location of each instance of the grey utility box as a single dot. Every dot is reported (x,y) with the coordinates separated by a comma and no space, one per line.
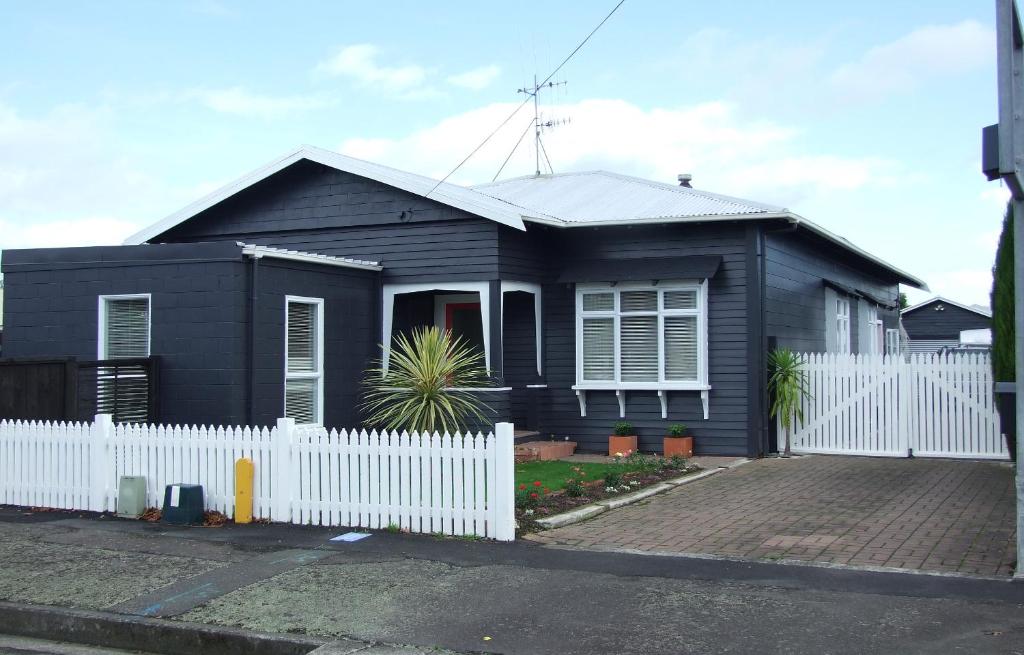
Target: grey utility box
(131,496)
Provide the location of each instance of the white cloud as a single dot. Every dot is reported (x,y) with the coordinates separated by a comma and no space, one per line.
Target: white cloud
(723,151)
(84,231)
(240,102)
(64,180)
(903,64)
(966,286)
(476,79)
(359,62)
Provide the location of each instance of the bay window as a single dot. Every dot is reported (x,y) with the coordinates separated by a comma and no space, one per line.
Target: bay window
(650,336)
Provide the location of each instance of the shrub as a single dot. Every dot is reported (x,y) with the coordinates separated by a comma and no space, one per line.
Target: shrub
(644,463)
(623,429)
(677,430)
(574,486)
(1003,328)
(418,391)
(613,479)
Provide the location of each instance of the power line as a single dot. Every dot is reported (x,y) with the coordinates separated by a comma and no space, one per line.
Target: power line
(514,148)
(524,103)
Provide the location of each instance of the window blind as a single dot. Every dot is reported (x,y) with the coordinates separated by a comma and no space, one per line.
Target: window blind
(301,337)
(681,348)
(638,341)
(599,349)
(300,400)
(303,375)
(127,328)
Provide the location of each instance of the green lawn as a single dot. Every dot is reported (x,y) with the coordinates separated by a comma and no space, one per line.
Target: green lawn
(552,474)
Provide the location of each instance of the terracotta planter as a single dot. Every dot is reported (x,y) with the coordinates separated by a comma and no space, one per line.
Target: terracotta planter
(622,445)
(682,446)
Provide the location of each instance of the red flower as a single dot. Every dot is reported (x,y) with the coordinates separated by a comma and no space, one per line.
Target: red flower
(533,495)
(536,483)
(522,487)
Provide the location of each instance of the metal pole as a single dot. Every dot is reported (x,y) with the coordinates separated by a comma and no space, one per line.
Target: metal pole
(1018,319)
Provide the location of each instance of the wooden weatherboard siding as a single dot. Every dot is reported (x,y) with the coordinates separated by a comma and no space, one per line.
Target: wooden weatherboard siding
(314,208)
(926,323)
(796,266)
(726,429)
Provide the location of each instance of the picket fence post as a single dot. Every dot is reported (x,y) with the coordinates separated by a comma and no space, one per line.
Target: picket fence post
(99,447)
(282,440)
(504,478)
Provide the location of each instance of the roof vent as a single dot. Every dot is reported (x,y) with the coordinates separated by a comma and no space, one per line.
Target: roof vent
(685,179)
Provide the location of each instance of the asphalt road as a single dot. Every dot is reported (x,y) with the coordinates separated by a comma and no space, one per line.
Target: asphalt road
(486,597)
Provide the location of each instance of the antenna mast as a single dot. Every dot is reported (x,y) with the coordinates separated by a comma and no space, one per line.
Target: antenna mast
(538,146)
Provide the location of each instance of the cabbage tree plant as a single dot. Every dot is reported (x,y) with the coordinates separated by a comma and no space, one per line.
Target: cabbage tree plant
(427,384)
(787,385)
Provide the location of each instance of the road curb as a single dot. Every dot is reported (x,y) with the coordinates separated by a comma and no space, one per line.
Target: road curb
(144,634)
(593,509)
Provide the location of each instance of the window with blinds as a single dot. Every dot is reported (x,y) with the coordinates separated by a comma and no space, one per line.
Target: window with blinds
(125,327)
(303,392)
(640,336)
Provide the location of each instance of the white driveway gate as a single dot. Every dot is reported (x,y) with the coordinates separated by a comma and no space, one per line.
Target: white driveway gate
(928,405)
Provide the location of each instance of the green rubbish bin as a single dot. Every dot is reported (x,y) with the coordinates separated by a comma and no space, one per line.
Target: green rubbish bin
(183,504)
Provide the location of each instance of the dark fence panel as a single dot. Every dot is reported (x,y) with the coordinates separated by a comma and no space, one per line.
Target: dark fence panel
(70,390)
(38,389)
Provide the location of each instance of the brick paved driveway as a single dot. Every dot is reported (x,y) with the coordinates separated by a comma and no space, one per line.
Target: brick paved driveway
(937,515)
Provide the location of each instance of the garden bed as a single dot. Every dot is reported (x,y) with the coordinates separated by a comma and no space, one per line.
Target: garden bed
(547,488)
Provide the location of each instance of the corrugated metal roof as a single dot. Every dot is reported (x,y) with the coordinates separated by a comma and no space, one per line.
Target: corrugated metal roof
(599,196)
(310,257)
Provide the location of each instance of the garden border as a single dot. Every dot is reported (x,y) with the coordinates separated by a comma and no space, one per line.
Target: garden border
(591,510)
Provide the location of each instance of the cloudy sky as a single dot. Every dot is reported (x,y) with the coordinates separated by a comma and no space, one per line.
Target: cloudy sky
(864,117)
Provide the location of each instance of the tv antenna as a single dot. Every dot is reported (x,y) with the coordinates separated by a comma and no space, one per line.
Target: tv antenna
(538,124)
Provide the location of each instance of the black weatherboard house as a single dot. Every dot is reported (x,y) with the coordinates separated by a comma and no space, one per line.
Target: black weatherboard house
(594,297)
(940,323)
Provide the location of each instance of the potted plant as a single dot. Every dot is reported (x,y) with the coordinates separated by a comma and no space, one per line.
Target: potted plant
(677,442)
(622,440)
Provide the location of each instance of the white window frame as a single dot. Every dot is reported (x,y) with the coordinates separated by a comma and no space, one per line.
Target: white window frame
(317,375)
(101,333)
(842,325)
(661,384)
(876,333)
(892,341)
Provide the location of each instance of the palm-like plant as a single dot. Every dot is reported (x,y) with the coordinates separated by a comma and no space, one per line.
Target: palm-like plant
(424,388)
(787,384)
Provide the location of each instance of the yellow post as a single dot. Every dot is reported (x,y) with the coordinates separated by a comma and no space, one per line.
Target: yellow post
(244,471)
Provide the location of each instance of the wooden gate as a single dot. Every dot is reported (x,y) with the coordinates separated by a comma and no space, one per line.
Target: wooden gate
(926,404)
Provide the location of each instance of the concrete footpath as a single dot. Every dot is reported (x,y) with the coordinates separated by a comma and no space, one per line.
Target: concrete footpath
(466,596)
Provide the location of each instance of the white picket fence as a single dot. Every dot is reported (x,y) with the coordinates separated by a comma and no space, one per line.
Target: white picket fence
(431,483)
(926,404)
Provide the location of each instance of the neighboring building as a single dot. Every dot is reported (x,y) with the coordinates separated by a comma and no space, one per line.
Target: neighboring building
(594,297)
(940,323)
(1,317)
